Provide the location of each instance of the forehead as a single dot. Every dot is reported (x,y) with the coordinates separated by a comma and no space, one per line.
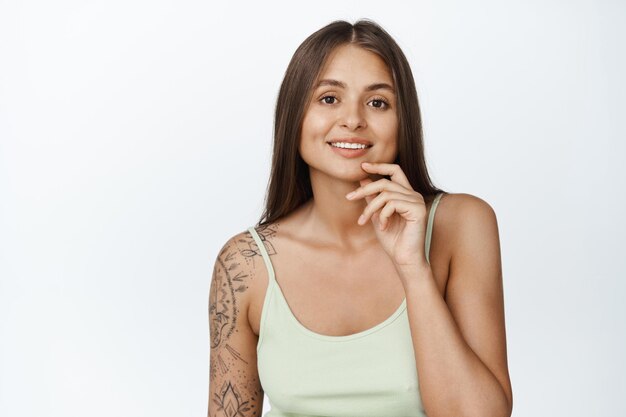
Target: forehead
(355,62)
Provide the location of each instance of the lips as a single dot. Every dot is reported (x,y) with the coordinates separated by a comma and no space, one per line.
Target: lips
(352,140)
(349,152)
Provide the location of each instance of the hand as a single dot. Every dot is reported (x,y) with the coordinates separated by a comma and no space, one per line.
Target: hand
(398,213)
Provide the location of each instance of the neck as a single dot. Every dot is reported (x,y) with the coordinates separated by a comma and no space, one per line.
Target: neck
(332,217)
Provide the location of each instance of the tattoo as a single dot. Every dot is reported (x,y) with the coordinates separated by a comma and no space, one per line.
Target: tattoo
(223,303)
(265,233)
(234,353)
(239,395)
(230,401)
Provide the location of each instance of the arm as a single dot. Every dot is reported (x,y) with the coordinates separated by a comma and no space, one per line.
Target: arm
(234,385)
(459,341)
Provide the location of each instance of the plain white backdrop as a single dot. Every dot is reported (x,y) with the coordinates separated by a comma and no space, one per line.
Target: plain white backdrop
(135,139)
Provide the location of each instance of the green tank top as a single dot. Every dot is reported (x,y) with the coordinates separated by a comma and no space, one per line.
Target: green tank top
(306,374)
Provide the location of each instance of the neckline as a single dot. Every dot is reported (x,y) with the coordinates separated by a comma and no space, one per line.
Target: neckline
(327,337)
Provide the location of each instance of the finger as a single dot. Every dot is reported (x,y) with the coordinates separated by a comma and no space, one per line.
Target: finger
(374,187)
(363,183)
(406,209)
(393,170)
(379,201)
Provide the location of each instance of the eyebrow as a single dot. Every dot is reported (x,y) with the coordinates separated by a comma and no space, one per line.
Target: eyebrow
(371,87)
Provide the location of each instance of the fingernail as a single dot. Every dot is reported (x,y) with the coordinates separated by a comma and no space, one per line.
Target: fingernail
(361,219)
(350,195)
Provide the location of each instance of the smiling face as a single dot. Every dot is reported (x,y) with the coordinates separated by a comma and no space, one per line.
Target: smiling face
(352,98)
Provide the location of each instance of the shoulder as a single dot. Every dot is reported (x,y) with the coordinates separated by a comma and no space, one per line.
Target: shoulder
(236,249)
(458,206)
(471,229)
(463,201)
(234,270)
(464,218)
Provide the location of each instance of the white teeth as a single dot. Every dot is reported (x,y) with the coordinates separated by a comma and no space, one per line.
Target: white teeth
(348,145)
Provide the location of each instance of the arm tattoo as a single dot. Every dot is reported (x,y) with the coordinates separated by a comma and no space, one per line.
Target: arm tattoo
(237,394)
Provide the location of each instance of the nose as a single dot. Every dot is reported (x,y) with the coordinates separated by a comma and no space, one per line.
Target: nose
(352,116)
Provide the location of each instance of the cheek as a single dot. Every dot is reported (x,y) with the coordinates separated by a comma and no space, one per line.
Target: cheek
(386,129)
(310,133)
(387,133)
(316,122)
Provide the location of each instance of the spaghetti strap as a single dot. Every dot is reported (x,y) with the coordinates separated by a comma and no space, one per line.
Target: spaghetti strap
(264,254)
(429,226)
(269,291)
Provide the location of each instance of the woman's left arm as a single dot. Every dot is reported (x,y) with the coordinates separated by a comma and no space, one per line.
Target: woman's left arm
(460,341)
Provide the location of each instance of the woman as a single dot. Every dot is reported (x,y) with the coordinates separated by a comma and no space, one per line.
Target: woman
(336,304)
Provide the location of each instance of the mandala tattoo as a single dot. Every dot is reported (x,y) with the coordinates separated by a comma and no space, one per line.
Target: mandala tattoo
(238,394)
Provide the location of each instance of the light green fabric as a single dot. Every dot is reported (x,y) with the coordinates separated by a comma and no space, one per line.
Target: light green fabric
(306,374)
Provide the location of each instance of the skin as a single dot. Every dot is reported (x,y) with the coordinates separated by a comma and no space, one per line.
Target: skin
(353,112)
(326,265)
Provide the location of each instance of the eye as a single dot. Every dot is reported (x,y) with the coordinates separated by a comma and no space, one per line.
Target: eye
(327,97)
(382,103)
(379,102)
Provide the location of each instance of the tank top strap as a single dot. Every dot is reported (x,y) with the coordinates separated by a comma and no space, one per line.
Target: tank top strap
(429,226)
(264,254)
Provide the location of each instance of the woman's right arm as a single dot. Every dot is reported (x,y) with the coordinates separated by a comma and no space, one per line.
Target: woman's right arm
(234,385)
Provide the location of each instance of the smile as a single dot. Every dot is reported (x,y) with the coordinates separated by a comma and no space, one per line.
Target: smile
(348,145)
(351,150)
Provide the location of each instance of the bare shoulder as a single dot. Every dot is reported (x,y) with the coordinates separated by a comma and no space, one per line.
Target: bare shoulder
(456,201)
(235,269)
(460,209)
(455,214)
(245,271)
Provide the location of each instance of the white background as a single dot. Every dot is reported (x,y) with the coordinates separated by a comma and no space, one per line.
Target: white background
(135,139)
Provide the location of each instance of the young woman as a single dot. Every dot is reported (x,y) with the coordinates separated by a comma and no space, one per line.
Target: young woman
(349,297)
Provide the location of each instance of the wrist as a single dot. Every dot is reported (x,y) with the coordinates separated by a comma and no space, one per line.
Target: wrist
(410,273)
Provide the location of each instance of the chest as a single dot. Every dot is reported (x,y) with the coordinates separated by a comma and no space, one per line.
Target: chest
(335,294)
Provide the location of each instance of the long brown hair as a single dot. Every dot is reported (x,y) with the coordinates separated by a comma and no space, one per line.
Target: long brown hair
(289,184)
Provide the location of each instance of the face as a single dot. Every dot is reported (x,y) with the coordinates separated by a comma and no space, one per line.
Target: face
(354,97)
